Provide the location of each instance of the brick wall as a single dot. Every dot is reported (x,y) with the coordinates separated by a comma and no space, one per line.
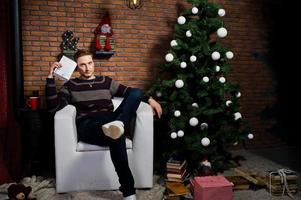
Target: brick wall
(142,39)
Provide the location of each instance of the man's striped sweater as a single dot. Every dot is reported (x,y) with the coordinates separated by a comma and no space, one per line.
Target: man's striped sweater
(90,97)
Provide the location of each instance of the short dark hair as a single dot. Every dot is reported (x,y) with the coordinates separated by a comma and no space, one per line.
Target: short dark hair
(82,52)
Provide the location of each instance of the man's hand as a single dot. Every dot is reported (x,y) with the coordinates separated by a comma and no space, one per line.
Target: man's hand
(52,68)
(155,106)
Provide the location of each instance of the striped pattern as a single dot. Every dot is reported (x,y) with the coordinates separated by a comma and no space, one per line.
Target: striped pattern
(90,97)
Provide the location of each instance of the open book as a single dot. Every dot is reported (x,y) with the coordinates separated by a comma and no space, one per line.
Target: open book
(68,67)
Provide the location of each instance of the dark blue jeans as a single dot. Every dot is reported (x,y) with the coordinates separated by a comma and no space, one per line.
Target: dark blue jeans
(89,131)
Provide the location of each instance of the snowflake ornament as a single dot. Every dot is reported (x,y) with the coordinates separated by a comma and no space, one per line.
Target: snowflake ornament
(215,55)
(179,83)
(204,126)
(217,68)
(173,43)
(158,94)
(193,121)
(228,103)
(180,133)
(183,65)
(238,94)
(222,32)
(206,79)
(221,12)
(177,113)
(169,57)
(205,141)
(188,33)
(222,79)
(173,135)
(194,10)
(229,55)
(181,20)
(237,116)
(192,58)
(195,105)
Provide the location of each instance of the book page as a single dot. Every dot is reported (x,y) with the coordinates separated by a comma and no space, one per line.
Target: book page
(68,67)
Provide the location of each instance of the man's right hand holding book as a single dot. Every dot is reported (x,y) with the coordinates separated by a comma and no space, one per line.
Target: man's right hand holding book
(52,69)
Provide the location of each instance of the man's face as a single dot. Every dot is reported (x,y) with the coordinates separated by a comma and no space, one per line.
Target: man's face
(85,66)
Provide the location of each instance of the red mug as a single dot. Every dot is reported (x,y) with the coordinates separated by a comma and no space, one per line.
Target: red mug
(33,103)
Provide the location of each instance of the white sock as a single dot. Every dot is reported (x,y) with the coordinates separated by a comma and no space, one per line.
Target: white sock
(113,129)
(132,197)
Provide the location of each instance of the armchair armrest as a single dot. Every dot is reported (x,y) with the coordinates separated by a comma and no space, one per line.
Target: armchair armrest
(65,129)
(143,145)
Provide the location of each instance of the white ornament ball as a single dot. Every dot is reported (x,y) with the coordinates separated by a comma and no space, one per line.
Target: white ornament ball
(238,94)
(222,79)
(237,116)
(205,141)
(222,32)
(229,55)
(179,83)
(204,126)
(193,121)
(188,33)
(192,58)
(221,12)
(173,135)
(235,143)
(206,79)
(177,113)
(195,105)
(181,20)
(194,10)
(180,133)
(215,55)
(173,43)
(169,57)
(250,136)
(217,68)
(228,103)
(183,65)
(158,94)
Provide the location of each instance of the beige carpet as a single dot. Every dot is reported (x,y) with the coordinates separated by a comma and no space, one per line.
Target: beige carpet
(44,189)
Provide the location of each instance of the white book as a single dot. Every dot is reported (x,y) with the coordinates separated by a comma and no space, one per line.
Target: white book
(66,70)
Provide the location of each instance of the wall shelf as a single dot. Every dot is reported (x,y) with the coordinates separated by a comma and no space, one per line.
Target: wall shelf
(104,54)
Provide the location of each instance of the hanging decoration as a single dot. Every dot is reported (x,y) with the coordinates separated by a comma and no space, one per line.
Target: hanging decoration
(69,44)
(134,4)
(105,43)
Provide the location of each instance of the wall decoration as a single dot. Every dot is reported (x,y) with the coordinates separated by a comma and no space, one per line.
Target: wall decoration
(105,43)
(134,4)
(69,44)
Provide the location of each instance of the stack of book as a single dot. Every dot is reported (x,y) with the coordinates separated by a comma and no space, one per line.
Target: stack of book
(175,191)
(176,169)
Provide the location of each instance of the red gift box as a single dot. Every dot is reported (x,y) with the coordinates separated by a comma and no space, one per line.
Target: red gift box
(211,188)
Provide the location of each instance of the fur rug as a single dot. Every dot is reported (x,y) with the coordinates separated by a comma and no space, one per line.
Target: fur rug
(44,189)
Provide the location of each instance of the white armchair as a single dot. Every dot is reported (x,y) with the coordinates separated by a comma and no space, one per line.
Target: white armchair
(81,166)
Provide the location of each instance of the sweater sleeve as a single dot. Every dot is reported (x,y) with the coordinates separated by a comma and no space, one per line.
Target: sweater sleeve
(145,98)
(118,89)
(56,100)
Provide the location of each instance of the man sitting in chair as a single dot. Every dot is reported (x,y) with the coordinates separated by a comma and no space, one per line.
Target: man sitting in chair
(96,121)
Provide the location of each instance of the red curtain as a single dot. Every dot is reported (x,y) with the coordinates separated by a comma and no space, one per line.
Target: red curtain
(10,142)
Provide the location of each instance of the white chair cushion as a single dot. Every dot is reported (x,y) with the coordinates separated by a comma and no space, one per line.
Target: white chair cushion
(81,146)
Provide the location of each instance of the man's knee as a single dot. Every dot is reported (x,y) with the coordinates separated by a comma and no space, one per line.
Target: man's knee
(136,93)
